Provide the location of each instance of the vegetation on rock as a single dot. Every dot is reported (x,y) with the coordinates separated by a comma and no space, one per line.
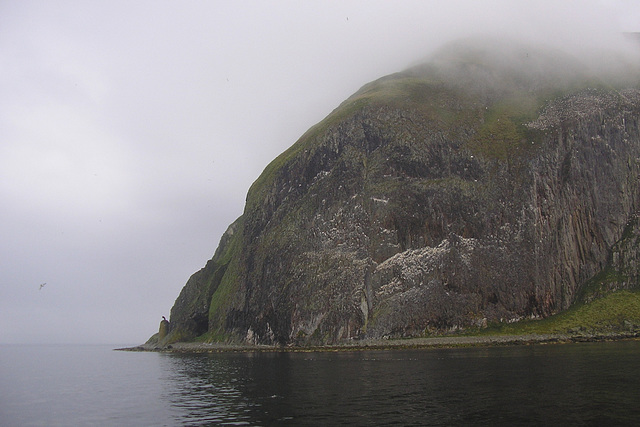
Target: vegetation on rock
(489,185)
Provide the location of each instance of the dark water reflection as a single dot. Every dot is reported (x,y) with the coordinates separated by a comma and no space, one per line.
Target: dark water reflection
(583,384)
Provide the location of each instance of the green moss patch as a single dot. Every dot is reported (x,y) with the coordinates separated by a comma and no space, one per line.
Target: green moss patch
(616,312)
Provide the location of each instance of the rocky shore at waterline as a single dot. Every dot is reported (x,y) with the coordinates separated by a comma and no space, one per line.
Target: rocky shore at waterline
(391,344)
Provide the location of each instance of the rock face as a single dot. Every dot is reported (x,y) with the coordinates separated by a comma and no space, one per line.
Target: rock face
(479,187)
(163,330)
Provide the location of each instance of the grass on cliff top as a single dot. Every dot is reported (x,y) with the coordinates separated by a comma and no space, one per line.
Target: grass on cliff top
(396,90)
(615,312)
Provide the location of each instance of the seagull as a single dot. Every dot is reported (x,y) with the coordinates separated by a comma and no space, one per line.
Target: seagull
(42,286)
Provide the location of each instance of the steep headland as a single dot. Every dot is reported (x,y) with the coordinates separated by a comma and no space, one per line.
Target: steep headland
(491,184)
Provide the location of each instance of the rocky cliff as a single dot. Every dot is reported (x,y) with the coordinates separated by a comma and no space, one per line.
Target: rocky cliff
(489,184)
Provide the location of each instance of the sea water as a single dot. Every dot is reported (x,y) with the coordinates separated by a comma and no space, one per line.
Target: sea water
(576,384)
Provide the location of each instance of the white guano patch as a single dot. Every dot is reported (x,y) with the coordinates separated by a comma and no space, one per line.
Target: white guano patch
(411,268)
(377,200)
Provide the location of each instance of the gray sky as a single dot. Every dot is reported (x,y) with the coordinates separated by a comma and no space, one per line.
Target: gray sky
(130,132)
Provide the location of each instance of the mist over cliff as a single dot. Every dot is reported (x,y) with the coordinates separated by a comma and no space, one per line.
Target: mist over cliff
(488,184)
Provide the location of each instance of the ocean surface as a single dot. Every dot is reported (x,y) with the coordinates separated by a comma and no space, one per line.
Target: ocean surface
(569,384)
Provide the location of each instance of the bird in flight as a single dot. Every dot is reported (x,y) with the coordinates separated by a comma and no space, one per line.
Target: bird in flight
(42,286)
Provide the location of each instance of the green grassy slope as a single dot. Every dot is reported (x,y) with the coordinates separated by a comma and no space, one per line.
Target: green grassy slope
(617,312)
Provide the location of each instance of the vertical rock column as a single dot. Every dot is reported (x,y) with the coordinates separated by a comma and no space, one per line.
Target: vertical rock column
(164,329)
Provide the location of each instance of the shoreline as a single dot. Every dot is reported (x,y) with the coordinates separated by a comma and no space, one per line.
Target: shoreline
(388,344)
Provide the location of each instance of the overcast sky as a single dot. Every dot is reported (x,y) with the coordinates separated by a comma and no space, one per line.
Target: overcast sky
(130,131)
